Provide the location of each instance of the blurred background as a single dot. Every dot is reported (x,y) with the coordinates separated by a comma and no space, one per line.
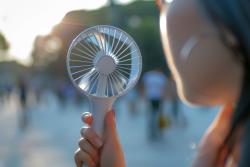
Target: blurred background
(40,109)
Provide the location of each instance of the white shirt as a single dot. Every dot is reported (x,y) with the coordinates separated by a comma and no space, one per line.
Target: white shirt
(154,84)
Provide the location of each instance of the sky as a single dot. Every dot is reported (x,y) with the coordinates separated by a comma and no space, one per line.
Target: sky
(22,20)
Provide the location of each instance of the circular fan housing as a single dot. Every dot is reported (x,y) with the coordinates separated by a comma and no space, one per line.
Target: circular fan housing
(104,61)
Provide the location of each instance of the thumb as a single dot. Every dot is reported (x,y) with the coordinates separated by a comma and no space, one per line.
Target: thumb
(112,154)
(110,125)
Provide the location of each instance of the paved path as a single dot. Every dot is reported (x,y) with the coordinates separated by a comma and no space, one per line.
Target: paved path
(51,138)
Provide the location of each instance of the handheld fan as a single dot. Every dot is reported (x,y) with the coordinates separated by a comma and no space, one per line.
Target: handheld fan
(104,62)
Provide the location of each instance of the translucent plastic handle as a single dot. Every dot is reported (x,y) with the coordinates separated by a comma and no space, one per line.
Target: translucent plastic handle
(99,109)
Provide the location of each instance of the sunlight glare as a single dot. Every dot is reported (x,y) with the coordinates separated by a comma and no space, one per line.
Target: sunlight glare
(22,21)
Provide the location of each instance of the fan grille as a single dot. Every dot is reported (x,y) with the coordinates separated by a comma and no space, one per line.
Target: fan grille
(104,61)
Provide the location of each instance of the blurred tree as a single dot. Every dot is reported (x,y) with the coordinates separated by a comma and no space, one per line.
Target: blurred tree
(10,71)
(139,19)
(4,45)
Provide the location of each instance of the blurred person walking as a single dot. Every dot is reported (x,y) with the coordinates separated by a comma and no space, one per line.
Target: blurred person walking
(132,99)
(178,116)
(154,86)
(23,116)
(174,98)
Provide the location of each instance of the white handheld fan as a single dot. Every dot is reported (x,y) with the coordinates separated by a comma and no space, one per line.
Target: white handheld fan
(104,62)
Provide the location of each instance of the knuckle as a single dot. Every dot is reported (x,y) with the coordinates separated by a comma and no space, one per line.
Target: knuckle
(90,149)
(86,146)
(77,152)
(85,131)
(82,156)
(88,133)
(81,142)
(87,158)
(77,157)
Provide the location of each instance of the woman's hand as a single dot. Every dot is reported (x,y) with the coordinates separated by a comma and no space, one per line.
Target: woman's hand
(96,151)
(209,149)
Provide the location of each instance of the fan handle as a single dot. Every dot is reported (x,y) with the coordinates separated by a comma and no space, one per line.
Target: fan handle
(99,107)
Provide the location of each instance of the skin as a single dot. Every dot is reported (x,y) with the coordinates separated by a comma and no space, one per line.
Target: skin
(94,151)
(209,75)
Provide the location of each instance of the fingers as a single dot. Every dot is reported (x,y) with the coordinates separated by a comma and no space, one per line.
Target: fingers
(82,157)
(89,134)
(223,119)
(87,118)
(89,145)
(226,113)
(89,149)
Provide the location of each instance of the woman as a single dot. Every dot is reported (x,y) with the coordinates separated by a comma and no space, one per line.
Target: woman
(207,46)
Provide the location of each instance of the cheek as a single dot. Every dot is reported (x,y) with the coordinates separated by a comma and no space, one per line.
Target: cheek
(205,64)
(200,77)
(189,87)
(204,76)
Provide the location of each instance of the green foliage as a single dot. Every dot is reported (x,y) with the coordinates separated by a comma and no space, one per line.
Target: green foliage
(4,45)
(139,19)
(148,38)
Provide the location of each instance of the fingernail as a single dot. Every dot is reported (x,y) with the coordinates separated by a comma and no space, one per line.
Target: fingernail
(98,142)
(85,116)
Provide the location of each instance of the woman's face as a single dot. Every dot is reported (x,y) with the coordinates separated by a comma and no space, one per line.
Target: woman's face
(205,70)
